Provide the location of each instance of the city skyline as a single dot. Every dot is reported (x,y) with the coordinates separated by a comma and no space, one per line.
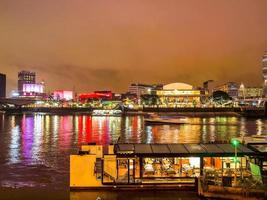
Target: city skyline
(107,46)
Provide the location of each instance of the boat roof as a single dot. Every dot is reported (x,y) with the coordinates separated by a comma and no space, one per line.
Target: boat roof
(181,150)
(259,147)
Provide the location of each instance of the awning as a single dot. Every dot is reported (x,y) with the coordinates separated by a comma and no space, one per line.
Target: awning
(179,150)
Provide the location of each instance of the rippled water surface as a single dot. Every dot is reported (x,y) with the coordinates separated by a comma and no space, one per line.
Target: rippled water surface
(35,148)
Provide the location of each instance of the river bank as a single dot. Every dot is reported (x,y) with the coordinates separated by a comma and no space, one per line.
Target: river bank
(191,112)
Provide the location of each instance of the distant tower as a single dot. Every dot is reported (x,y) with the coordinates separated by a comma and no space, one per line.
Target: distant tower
(264,73)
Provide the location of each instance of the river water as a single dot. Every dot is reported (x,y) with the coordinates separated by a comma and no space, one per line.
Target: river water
(35,148)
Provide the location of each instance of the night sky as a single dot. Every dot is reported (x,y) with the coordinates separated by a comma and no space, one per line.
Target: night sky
(97,45)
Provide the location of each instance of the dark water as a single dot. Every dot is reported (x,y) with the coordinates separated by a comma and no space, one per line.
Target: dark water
(35,148)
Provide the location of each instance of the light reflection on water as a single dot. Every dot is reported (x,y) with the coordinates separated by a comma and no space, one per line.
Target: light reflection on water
(35,148)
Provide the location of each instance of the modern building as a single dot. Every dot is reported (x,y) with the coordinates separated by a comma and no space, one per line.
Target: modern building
(25,77)
(264,73)
(2,85)
(231,88)
(63,95)
(140,89)
(249,92)
(27,86)
(177,95)
(209,86)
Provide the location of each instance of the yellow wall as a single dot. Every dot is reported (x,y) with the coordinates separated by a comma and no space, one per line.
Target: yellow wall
(111,149)
(82,171)
(110,165)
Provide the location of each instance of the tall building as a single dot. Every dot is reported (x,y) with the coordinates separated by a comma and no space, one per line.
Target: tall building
(209,86)
(25,77)
(231,88)
(2,85)
(27,86)
(264,73)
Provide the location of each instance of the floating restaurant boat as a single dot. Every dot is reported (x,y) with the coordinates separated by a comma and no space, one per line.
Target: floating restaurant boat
(106,112)
(172,166)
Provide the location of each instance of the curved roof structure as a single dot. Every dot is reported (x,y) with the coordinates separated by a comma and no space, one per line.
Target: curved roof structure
(177,86)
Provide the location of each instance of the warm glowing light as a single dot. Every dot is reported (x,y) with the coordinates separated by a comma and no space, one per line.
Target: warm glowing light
(37,88)
(63,95)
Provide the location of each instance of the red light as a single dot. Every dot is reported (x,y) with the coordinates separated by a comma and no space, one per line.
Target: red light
(95,95)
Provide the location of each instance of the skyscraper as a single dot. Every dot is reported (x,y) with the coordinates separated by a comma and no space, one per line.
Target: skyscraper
(2,85)
(264,73)
(25,77)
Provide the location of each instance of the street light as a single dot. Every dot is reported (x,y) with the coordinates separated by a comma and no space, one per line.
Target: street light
(235,142)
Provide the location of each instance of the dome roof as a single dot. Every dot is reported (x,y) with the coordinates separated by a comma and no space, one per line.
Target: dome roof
(177,86)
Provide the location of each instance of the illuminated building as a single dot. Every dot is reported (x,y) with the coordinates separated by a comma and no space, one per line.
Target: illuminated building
(97,95)
(32,90)
(25,77)
(2,85)
(249,92)
(63,95)
(264,73)
(177,95)
(231,88)
(27,86)
(140,89)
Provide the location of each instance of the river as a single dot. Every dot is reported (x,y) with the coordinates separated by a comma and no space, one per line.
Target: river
(35,148)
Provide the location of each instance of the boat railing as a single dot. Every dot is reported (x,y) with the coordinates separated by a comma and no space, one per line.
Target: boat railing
(245,186)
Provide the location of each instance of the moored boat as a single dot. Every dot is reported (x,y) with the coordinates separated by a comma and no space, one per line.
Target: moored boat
(106,112)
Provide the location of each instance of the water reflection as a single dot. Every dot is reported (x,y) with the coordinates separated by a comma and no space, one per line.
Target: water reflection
(41,144)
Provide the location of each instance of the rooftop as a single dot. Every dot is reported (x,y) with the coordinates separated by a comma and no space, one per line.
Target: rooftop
(211,150)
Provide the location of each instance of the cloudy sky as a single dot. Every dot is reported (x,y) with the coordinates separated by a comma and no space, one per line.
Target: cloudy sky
(108,44)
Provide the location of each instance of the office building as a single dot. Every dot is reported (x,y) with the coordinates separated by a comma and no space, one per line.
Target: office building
(25,77)
(27,85)
(2,85)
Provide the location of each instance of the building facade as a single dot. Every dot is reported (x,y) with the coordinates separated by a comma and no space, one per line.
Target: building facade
(231,88)
(25,77)
(249,92)
(176,95)
(63,95)
(2,85)
(209,86)
(140,89)
(27,86)
(264,73)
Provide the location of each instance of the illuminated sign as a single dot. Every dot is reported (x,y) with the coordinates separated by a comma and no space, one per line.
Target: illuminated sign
(33,88)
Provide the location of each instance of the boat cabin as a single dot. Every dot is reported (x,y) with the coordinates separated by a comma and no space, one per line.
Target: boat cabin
(140,165)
